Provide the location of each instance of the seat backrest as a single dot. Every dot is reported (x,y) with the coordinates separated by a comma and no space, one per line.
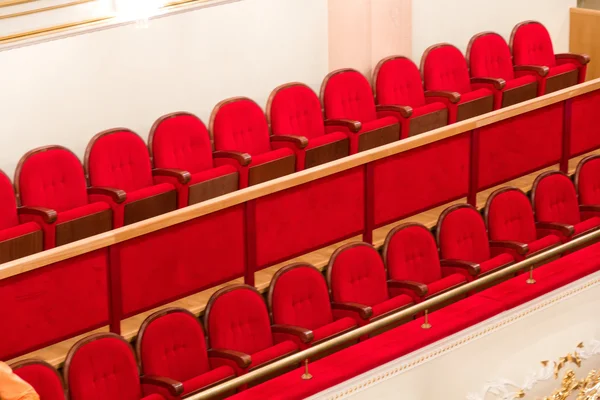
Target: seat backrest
(8,203)
(356,274)
(461,234)
(298,296)
(410,254)
(531,44)
(294,109)
(489,56)
(554,198)
(100,367)
(171,343)
(51,177)
(180,140)
(398,81)
(236,318)
(587,180)
(508,216)
(43,377)
(239,124)
(346,94)
(119,159)
(444,68)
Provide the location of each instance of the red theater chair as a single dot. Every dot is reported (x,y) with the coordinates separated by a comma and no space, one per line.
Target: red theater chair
(16,240)
(464,245)
(171,344)
(490,63)
(299,302)
(398,82)
(119,171)
(294,114)
(348,103)
(241,137)
(587,181)
(239,331)
(556,208)
(411,257)
(533,54)
(51,187)
(103,366)
(181,150)
(43,377)
(446,78)
(359,287)
(511,227)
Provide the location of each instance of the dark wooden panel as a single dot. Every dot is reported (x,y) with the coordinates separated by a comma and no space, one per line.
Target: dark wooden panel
(21,246)
(212,188)
(150,207)
(519,94)
(378,137)
(83,227)
(326,153)
(428,122)
(562,81)
(271,170)
(476,107)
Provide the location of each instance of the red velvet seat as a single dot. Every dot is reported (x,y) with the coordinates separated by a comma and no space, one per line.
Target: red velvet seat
(103,366)
(411,258)
(119,171)
(239,330)
(16,239)
(587,182)
(533,54)
(241,137)
(181,150)
(349,105)
(556,207)
(511,227)
(296,121)
(359,287)
(51,187)
(398,82)
(43,377)
(299,302)
(490,63)
(171,344)
(464,245)
(446,79)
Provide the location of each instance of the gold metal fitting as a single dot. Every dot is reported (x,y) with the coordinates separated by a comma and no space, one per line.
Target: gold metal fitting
(426,324)
(306,376)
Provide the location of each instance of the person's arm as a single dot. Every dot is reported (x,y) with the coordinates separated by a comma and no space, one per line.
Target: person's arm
(14,388)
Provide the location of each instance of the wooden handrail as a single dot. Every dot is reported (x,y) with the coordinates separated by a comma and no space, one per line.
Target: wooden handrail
(241,196)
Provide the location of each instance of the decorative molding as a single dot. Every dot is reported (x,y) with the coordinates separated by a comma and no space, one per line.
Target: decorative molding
(49,8)
(52,29)
(8,3)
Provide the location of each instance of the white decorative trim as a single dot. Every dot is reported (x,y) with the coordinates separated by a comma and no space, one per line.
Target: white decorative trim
(457,340)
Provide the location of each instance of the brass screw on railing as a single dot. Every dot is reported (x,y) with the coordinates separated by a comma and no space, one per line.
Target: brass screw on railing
(530,280)
(306,376)
(426,324)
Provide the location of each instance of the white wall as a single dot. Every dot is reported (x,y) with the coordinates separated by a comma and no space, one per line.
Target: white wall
(456,21)
(65,91)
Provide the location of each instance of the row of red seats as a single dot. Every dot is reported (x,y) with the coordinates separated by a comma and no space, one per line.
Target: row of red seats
(305,308)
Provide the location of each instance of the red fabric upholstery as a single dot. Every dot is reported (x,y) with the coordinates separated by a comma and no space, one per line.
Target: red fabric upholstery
(18,230)
(337,326)
(271,353)
(584,123)
(588,183)
(8,204)
(43,378)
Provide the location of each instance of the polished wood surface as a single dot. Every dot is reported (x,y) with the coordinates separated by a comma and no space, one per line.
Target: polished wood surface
(428,122)
(150,207)
(474,108)
(519,94)
(378,137)
(326,153)
(83,227)
(212,188)
(21,246)
(558,82)
(271,170)
(583,38)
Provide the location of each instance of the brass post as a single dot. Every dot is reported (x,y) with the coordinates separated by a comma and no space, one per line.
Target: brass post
(306,376)
(426,324)
(530,280)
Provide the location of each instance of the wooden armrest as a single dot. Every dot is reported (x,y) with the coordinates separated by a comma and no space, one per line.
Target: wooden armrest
(589,207)
(242,360)
(472,268)
(453,97)
(405,111)
(242,158)
(48,215)
(365,312)
(174,387)
(581,58)
(354,126)
(564,229)
(300,141)
(498,83)
(182,176)
(420,289)
(541,70)
(305,335)
(117,195)
(520,248)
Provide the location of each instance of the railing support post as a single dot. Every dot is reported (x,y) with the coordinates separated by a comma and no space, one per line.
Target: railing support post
(115,301)
(369,204)
(473,168)
(250,241)
(566,136)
